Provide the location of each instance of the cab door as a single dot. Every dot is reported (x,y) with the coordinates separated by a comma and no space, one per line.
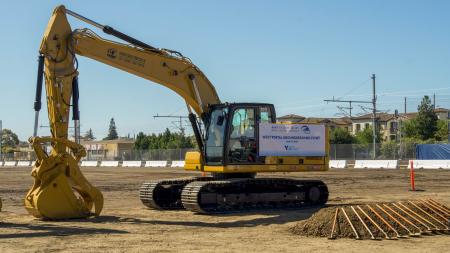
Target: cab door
(216,136)
(243,132)
(242,136)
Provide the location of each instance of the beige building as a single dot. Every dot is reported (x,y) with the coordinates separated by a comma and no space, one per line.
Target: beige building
(291,118)
(442,113)
(119,149)
(387,123)
(24,152)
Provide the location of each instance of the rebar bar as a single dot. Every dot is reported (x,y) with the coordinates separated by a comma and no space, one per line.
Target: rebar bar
(412,216)
(403,218)
(397,221)
(428,214)
(374,223)
(357,237)
(334,224)
(364,224)
(384,221)
(418,215)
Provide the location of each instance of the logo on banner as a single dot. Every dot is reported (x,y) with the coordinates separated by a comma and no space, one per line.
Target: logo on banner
(287,147)
(305,130)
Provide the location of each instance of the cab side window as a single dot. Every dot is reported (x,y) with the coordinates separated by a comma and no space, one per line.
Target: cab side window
(265,116)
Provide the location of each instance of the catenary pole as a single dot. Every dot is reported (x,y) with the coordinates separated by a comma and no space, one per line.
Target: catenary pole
(374,115)
(1,137)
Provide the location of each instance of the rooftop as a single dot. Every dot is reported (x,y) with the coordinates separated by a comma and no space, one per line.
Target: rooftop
(383,117)
(120,140)
(291,117)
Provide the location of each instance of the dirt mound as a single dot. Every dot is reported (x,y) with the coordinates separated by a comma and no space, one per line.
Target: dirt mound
(391,223)
(320,224)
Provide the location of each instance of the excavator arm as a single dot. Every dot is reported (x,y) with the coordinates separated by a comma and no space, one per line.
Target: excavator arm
(60,190)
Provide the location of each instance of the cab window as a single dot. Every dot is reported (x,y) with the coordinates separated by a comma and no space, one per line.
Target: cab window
(215,136)
(242,142)
(264,115)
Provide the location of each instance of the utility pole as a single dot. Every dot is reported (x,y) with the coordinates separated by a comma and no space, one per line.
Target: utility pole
(405,106)
(434,100)
(374,116)
(374,111)
(350,108)
(1,138)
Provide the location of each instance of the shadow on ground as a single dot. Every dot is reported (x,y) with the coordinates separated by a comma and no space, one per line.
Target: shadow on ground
(42,230)
(273,217)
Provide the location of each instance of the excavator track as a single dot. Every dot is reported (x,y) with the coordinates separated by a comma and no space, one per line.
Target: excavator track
(234,195)
(165,194)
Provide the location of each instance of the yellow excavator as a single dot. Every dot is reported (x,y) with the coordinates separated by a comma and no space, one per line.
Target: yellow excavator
(231,146)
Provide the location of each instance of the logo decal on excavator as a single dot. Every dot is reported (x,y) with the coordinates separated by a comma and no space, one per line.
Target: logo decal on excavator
(112,53)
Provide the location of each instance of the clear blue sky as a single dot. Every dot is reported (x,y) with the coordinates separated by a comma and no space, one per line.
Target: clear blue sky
(290,53)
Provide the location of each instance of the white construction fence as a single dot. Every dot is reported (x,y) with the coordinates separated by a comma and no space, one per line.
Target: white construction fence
(376,164)
(338,164)
(429,164)
(132,164)
(333,164)
(150,164)
(89,163)
(155,164)
(109,164)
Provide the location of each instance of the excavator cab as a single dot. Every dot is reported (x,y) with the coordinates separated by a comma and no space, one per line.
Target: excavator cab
(231,144)
(231,153)
(232,133)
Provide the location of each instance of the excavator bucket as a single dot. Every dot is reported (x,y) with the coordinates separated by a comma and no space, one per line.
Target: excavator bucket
(60,191)
(55,200)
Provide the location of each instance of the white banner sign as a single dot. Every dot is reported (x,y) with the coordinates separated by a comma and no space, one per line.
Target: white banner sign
(291,140)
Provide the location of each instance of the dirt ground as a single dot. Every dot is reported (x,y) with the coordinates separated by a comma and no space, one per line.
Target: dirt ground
(126,226)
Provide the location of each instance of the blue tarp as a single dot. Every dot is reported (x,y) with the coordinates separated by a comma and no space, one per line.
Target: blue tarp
(433,152)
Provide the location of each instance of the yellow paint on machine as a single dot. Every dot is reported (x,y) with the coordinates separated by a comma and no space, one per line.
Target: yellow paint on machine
(272,164)
(193,161)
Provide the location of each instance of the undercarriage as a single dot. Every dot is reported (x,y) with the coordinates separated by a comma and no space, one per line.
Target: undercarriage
(212,195)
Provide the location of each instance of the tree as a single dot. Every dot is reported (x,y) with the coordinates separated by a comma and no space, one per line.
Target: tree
(89,135)
(390,150)
(165,140)
(9,140)
(141,141)
(112,131)
(340,136)
(409,129)
(366,136)
(426,119)
(442,131)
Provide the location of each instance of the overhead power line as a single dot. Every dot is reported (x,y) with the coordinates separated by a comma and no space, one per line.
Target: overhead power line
(180,121)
